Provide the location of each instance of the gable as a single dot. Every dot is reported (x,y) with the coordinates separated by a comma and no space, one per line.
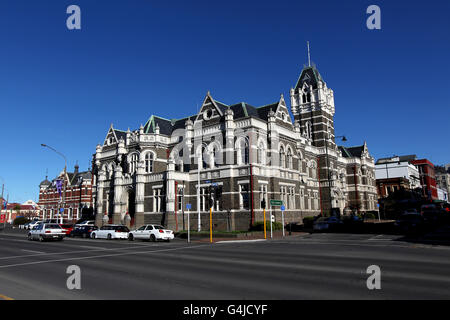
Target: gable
(210,109)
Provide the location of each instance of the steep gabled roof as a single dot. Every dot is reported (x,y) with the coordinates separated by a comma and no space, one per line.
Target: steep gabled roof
(310,75)
(352,152)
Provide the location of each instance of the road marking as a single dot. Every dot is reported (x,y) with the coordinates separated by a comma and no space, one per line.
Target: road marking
(100,256)
(96,248)
(240,241)
(5,297)
(32,251)
(78,251)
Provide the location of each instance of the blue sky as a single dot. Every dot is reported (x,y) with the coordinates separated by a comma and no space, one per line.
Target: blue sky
(135,58)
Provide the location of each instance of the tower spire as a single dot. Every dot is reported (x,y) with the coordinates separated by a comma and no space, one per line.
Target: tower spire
(309,55)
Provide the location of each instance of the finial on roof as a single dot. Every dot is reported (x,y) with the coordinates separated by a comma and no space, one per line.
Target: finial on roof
(309,55)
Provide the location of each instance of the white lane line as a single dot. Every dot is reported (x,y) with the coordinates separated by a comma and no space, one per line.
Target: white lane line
(33,251)
(94,248)
(100,256)
(67,252)
(240,241)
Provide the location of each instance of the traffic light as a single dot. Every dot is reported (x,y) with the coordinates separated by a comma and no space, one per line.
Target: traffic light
(263,203)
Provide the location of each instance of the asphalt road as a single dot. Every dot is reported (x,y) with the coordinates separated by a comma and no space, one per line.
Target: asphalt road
(318,266)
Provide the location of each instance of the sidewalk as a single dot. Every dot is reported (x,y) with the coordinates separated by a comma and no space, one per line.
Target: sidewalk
(277,235)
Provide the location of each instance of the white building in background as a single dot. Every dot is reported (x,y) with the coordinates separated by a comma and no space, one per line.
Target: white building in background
(442,195)
(398,167)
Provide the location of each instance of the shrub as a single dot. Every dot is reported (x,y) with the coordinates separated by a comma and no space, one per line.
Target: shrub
(259,226)
(20,220)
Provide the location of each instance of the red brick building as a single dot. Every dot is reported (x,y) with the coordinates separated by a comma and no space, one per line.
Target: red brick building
(427,178)
(77,202)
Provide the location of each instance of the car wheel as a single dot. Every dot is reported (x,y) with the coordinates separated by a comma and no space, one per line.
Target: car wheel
(153,238)
(130,237)
(93,236)
(29,237)
(60,239)
(84,235)
(41,238)
(109,236)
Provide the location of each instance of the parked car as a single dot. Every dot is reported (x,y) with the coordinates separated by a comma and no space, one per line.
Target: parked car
(67,227)
(85,223)
(24,226)
(46,231)
(410,222)
(410,211)
(151,232)
(82,231)
(327,223)
(51,221)
(32,224)
(111,231)
(430,213)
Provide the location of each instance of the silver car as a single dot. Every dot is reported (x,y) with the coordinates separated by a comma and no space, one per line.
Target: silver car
(46,231)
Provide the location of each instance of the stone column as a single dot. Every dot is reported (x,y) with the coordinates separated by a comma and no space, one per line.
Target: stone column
(99,197)
(170,194)
(140,191)
(118,190)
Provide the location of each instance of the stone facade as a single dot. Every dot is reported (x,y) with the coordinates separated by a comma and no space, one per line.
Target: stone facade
(247,153)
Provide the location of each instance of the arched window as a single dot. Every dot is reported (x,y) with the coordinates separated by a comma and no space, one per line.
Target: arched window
(149,162)
(282,157)
(246,153)
(260,154)
(133,162)
(204,156)
(308,129)
(243,152)
(289,159)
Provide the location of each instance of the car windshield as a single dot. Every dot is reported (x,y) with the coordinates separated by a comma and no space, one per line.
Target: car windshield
(121,229)
(52,226)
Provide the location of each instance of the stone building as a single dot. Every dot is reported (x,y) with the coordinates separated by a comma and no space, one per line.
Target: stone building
(247,153)
(77,202)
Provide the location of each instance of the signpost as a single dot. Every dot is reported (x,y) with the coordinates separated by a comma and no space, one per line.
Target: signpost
(188,208)
(282,217)
(272,218)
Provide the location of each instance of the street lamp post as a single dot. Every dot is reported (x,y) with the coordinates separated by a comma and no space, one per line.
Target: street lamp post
(65,174)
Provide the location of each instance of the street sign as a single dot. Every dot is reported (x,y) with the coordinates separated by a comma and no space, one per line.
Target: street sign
(276,202)
(61,210)
(188,206)
(282,208)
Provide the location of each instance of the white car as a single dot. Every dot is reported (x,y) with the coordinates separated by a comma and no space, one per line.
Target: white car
(85,223)
(45,231)
(33,224)
(151,232)
(111,231)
